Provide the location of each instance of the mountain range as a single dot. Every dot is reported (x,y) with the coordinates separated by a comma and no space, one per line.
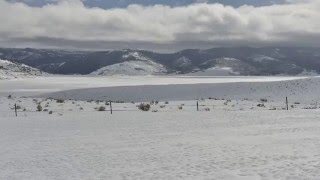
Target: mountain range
(230,60)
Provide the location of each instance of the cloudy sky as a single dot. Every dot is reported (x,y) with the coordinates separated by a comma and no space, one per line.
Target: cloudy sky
(159,25)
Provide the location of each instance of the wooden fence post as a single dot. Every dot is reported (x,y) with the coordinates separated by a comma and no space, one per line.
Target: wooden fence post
(110,107)
(287,103)
(197,105)
(15,109)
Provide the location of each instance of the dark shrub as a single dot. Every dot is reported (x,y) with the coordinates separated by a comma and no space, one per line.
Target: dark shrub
(263,100)
(60,101)
(101,108)
(39,107)
(144,107)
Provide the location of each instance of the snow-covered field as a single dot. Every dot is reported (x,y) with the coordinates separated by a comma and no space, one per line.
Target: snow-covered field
(225,143)
(241,131)
(45,84)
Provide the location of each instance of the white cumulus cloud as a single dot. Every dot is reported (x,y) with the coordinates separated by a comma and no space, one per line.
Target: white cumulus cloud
(70,23)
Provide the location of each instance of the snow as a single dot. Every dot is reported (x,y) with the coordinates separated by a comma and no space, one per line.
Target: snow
(228,59)
(136,56)
(224,66)
(261,58)
(170,144)
(136,65)
(45,84)
(305,89)
(10,70)
(241,131)
(61,64)
(306,72)
(215,71)
(183,62)
(132,68)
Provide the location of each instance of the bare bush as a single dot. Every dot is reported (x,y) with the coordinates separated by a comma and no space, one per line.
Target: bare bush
(101,108)
(39,107)
(263,100)
(144,107)
(59,101)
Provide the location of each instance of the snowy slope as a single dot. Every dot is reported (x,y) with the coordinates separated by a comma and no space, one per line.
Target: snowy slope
(215,71)
(298,90)
(224,66)
(261,58)
(132,68)
(182,62)
(10,70)
(135,64)
(45,84)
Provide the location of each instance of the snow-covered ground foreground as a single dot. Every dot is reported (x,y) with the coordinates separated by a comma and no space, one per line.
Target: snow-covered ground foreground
(241,131)
(234,140)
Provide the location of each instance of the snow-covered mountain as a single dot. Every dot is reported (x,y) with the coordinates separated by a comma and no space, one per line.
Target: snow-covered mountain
(10,70)
(132,68)
(236,60)
(135,64)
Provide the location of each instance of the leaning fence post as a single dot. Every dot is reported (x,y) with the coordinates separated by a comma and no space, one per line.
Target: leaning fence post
(197,105)
(110,107)
(15,109)
(287,103)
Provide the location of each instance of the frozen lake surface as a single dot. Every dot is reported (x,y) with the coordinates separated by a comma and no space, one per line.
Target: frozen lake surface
(46,84)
